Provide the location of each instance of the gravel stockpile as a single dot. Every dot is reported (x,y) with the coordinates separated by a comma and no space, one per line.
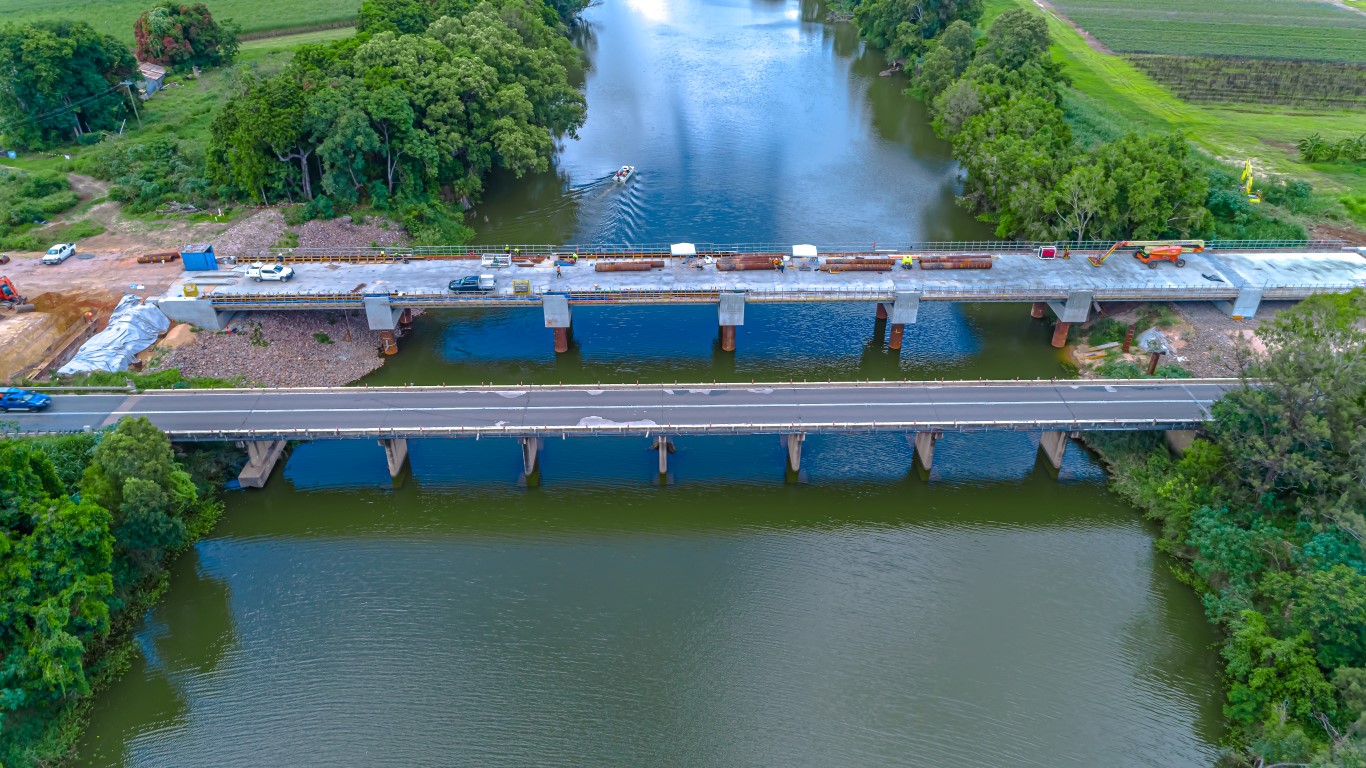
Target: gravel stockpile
(1211,336)
(259,230)
(341,233)
(279,349)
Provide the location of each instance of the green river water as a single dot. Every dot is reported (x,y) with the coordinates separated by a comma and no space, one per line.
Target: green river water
(991,616)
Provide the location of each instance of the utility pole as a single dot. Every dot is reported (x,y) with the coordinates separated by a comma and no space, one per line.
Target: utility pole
(128,84)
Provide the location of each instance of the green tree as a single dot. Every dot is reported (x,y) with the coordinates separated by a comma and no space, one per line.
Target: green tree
(948,57)
(134,475)
(901,28)
(55,584)
(184,35)
(1328,604)
(1082,197)
(61,82)
(1015,39)
(1268,672)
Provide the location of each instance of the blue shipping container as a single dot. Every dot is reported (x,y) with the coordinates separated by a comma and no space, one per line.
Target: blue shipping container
(198,257)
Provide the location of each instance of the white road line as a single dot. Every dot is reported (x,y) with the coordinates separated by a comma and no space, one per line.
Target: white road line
(650,407)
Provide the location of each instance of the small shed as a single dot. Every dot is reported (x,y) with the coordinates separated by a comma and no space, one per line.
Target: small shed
(153,77)
(198,257)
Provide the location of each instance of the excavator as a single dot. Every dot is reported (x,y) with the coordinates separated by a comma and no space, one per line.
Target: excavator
(9,295)
(1152,251)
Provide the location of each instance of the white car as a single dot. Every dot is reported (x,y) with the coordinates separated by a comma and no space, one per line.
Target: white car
(259,272)
(59,253)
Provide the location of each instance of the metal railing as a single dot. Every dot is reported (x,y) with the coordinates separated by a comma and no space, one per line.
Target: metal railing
(382,254)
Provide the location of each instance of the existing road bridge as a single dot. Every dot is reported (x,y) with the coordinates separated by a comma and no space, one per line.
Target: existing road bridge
(264,419)
(1236,276)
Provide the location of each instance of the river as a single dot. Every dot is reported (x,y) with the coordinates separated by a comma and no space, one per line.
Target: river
(993,615)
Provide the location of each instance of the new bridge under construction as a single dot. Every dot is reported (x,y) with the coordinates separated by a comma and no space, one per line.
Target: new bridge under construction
(1057,278)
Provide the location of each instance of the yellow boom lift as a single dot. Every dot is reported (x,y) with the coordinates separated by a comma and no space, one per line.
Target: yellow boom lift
(1152,251)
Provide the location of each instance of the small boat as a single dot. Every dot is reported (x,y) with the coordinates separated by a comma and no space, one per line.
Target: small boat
(625,174)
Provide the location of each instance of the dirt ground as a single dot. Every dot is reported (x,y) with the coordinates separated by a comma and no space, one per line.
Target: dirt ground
(105,267)
(1205,340)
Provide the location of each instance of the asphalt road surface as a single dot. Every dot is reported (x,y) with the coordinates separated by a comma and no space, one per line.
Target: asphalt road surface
(641,409)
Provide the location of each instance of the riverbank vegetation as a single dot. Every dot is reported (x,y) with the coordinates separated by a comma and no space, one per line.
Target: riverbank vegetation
(1264,513)
(253,17)
(88,523)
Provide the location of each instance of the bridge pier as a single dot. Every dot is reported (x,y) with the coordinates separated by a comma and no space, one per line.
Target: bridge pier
(793,443)
(396,451)
(382,317)
(665,446)
(558,318)
(924,451)
(261,458)
(531,461)
(197,312)
(1076,310)
(1037,310)
(730,314)
(1245,306)
(1054,445)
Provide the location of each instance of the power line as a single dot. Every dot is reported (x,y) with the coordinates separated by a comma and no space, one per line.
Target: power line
(60,110)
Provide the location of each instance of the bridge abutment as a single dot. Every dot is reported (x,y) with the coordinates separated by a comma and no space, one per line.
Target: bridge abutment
(558,318)
(730,315)
(261,458)
(197,312)
(1179,440)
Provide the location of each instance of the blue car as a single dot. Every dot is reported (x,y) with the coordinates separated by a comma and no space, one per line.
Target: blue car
(22,400)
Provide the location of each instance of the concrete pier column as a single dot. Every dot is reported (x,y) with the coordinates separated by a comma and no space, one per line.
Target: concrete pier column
(664,446)
(531,461)
(1037,310)
(1179,440)
(1060,334)
(793,443)
(1053,445)
(924,450)
(730,314)
(881,311)
(895,341)
(406,318)
(261,458)
(396,451)
(906,309)
(558,318)
(388,342)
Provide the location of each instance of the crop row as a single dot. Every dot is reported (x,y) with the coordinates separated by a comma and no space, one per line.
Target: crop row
(1319,84)
(1277,29)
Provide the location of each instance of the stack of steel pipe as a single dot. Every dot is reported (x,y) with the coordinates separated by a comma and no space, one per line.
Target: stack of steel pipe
(859,265)
(747,262)
(627,266)
(956,261)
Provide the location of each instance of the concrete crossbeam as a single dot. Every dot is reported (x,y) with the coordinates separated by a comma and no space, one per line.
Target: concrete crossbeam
(906,307)
(1077,308)
(1245,306)
(379,314)
(556,309)
(731,310)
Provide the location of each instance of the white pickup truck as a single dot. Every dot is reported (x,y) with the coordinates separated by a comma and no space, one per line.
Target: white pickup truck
(259,272)
(59,253)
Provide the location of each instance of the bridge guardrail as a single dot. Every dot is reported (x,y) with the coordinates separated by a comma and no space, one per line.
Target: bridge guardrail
(653,250)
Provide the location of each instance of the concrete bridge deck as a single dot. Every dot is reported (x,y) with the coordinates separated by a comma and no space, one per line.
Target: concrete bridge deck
(1236,280)
(613,409)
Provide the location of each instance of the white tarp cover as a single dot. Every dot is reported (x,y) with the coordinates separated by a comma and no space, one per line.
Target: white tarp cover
(682,249)
(133,327)
(804,250)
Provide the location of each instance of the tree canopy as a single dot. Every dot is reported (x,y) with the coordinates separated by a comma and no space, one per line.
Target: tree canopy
(181,36)
(61,82)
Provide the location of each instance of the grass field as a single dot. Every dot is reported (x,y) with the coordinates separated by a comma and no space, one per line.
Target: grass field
(1110,96)
(1279,29)
(116,17)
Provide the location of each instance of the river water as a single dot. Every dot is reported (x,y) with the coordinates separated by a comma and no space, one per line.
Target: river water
(991,615)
